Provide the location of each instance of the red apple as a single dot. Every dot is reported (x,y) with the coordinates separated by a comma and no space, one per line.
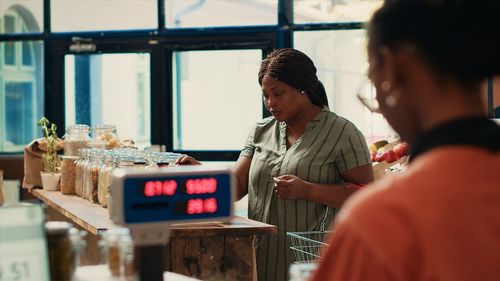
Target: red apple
(401,149)
(379,157)
(389,156)
(373,155)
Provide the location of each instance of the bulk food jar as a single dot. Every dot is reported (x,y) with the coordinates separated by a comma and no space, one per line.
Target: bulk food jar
(65,244)
(119,250)
(77,136)
(105,137)
(68,174)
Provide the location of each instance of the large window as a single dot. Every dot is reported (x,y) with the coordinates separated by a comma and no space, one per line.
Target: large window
(320,11)
(14,13)
(87,15)
(340,57)
(180,75)
(217,98)
(110,89)
(21,80)
(210,13)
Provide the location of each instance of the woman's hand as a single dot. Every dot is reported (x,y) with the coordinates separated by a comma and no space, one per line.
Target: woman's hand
(186,160)
(290,187)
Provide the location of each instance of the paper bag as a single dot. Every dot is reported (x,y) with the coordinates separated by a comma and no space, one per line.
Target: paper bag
(33,162)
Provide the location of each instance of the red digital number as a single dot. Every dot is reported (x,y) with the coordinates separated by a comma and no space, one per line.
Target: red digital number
(159,188)
(169,187)
(200,206)
(201,186)
(194,206)
(210,205)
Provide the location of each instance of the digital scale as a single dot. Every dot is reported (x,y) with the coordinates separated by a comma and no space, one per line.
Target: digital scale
(149,201)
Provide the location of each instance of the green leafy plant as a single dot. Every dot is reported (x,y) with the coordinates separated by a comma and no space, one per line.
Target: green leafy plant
(49,158)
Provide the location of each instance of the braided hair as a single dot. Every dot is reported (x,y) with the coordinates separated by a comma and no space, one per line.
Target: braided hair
(296,69)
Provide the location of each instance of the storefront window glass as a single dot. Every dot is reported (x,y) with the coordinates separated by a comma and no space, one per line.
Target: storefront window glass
(217,99)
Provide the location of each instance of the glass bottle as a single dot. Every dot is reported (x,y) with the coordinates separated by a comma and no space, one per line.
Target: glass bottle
(105,137)
(77,136)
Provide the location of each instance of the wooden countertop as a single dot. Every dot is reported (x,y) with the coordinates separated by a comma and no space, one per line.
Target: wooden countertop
(95,219)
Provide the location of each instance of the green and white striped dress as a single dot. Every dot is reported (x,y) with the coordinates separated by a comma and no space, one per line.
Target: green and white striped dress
(329,146)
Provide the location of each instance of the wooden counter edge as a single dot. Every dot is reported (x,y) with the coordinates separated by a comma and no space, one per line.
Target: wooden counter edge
(239,226)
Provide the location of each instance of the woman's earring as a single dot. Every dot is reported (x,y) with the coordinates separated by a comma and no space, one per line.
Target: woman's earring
(392,99)
(385,86)
(302,92)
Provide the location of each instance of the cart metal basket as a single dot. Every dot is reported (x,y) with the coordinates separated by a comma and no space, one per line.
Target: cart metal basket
(308,246)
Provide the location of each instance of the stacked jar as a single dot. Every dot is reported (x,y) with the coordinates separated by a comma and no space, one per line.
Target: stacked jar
(77,136)
(105,137)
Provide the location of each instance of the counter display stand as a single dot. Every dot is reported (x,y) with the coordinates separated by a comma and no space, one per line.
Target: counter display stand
(214,250)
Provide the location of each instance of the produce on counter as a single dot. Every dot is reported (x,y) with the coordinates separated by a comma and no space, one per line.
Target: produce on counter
(386,156)
(389,152)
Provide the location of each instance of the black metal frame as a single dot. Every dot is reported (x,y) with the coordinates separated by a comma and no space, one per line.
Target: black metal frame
(161,43)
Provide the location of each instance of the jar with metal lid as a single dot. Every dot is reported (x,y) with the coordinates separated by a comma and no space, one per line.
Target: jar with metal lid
(105,137)
(68,174)
(77,137)
(64,243)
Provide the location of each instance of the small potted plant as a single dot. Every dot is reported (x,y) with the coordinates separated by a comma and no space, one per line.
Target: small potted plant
(50,174)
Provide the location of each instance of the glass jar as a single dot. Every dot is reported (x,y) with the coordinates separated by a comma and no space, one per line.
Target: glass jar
(105,137)
(68,174)
(94,165)
(86,179)
(104,179)
(119,251)
(64,244)
(77,137)
(80,164)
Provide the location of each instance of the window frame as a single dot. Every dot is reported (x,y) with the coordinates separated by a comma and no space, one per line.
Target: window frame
(161,43)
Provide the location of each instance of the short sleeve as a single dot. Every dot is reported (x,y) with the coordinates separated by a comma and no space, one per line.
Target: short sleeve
(353,151)
(249,147)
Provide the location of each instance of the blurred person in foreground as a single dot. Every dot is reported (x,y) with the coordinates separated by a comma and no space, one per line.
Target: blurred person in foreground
(300,164)
(440,219)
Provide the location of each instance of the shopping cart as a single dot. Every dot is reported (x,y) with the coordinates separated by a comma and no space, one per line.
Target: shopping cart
(308,246)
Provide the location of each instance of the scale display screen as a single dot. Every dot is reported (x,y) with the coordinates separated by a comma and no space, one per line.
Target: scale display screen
(176,197)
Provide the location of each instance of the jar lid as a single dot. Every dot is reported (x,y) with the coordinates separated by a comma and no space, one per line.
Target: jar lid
(116,233)
(57,227)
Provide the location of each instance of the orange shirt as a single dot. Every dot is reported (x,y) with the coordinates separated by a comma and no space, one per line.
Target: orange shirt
(439,220)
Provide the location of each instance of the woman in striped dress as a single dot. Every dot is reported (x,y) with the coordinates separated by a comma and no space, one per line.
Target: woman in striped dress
(297,166)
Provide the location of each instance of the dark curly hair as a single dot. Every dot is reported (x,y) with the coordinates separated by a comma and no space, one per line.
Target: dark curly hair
(296,69)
